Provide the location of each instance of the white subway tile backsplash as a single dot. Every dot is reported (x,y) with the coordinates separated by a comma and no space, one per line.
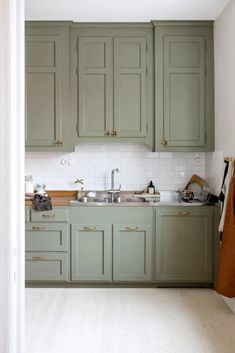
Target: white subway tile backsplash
(94,161)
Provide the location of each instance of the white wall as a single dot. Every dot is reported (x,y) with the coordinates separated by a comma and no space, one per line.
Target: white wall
(11,176)
(225,80)
(224,37)
(94,162)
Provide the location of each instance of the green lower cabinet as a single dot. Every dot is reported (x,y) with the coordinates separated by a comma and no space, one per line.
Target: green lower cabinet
(132,252)
(184,245)
(91,252)
(46,237)
(46,266)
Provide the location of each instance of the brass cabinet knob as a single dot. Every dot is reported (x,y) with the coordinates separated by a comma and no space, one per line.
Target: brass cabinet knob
(112,133)
(59,143)
(163,142)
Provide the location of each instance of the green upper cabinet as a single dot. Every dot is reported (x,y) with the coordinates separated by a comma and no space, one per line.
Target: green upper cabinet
(95,86)
(48,125)
(184,86)
(130,70)
(112,82)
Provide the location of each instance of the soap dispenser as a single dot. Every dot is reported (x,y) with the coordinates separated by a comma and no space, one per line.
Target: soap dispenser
(151,188)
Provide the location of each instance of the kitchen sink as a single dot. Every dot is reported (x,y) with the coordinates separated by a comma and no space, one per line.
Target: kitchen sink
(128,198)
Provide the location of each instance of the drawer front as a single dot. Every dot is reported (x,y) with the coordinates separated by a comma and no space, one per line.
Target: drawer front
(46,237)
(42,266)
(55,215)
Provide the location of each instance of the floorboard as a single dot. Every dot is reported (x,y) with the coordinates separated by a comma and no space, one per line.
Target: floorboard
(128,320)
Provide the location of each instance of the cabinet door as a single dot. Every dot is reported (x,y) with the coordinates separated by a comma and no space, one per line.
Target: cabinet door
(47,88)
(91,252)
(130,86)
(95,86)
(184,88)
(184,245)
(132,252)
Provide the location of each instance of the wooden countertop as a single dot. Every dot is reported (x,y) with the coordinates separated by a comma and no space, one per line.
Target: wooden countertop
(58,197)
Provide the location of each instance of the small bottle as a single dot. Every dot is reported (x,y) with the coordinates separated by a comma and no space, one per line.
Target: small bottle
(151,188)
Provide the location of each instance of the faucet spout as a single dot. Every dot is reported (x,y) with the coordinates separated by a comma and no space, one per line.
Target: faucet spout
(112,177)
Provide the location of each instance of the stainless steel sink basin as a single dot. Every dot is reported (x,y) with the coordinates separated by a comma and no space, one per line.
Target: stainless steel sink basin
(127,198)
(106,200)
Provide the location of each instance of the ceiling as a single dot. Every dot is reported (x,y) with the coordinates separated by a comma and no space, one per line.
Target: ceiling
(123,10)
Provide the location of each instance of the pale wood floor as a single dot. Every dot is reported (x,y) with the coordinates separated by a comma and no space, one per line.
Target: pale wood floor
(124,320)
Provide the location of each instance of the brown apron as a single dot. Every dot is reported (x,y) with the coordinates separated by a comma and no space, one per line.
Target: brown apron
(226,271)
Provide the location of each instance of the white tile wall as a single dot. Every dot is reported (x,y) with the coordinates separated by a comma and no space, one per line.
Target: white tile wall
(94,162)
(214,170)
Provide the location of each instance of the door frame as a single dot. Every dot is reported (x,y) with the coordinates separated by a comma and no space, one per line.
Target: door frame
(12,175)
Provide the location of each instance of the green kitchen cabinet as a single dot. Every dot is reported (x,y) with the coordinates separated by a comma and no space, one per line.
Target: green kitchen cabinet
(132,252)
(47,245)
(46,266)
(91,252)
(47,56)
(112,82)
(184,245)
(46,237)
(184,86)
(111,244)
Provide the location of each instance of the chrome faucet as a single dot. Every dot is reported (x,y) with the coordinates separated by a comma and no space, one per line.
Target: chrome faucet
(112,177)
(113,191)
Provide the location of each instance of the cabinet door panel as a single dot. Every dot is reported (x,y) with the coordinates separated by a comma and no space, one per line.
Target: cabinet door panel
(132,260)
(184,245)
(184,91)
(130,86)
(91,252)
(95,86)
(43,91)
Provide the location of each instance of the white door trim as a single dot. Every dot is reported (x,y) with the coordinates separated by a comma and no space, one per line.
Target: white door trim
(12,176)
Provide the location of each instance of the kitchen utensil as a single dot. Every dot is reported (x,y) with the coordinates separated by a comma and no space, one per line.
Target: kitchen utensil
(40,189)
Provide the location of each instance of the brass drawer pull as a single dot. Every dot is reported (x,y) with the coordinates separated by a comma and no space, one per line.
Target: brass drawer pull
(51,215)
(59,143)
(183,213)
(132,228)
(115,133)
(163,143)
(89,228)
(39,258)
(38,228)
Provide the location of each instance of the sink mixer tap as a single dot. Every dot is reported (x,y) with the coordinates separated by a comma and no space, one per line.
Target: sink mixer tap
(113,191)
(112,178)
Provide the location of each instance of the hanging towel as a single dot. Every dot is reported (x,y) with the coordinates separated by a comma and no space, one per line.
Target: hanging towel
(223,197)
(226,271)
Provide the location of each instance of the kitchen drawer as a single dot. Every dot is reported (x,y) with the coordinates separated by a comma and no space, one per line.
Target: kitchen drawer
(46,266)
(55,215)
(46,237)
